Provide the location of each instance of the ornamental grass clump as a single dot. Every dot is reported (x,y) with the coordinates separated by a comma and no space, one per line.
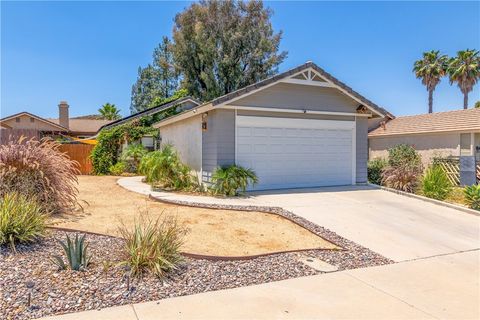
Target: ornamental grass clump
(232,179)
(165,169)
(435,183)
(22,219)
(152,246)
(403,170)
(37,168)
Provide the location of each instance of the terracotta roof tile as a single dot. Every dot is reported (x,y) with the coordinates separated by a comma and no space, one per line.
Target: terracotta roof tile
(459,120)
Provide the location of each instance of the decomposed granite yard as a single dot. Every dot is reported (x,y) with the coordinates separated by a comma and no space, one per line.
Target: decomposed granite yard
(212,232)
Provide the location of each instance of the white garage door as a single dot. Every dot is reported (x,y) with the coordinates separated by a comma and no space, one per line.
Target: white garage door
(295,153)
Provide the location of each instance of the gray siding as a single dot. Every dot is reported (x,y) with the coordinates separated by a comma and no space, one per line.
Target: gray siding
(218,141)
(293,96)
(362,149)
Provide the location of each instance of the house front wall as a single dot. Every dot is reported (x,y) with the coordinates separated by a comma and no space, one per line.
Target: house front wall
(427,145)
(25,122)
(218,147)
(186,137)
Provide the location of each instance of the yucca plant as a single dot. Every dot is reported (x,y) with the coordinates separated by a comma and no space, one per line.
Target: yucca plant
(152,245)
(472,196)
(435,183)
(132,155)
(232,179)
(22,219)
(165,168)
(38,168)
(76,253)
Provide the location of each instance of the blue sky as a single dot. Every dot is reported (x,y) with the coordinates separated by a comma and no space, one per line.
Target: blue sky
(88,52)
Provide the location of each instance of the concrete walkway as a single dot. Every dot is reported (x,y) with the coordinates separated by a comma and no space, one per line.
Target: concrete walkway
(443,287)
(398,227)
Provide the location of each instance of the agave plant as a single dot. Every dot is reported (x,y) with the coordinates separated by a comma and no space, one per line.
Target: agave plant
(76,252)
(229,180)
(472,196)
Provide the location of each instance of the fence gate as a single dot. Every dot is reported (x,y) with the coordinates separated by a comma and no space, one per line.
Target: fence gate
(80,153)
(451,166)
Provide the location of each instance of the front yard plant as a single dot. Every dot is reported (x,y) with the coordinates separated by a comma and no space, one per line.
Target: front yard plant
(374,170)
(38,169)
(132,155)
(232,179)
(164,168)
(435,183)
(22,219)
(76,252)
(152,245)
(403,170)
(472,196)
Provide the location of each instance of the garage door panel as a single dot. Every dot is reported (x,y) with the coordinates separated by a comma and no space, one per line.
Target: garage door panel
(303,153)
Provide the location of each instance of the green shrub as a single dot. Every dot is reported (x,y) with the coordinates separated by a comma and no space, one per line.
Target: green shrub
(435,183)
(118,168)
(22,219)
(165,168)
(152,246)
(472,196)
(39,169)
(402,154)
(132,155)
(76,252)
(229,180)
(106,152)
(374,170)
(403,170)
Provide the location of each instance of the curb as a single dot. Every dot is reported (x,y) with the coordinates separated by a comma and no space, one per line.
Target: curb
(434,201)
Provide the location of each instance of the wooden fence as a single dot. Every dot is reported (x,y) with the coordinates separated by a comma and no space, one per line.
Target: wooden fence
(80,153)
(14,134)
(451,166)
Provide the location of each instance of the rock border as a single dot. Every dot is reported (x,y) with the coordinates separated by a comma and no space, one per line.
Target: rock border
(434,201)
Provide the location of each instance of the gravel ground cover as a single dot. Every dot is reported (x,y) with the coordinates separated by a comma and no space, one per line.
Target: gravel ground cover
(57,292)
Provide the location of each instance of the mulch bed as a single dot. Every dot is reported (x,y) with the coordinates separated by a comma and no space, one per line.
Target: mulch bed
(57,292)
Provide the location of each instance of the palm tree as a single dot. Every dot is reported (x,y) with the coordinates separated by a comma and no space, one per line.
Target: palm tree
(430,69)
(109,112)
(464,69)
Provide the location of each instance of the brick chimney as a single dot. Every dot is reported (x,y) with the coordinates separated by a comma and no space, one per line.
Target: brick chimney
(63,114)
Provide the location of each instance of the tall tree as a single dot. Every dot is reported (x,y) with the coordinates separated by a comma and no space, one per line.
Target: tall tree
(221,46)
(431,68)
(464,69)
(477,105)
(157,80)
(109,112)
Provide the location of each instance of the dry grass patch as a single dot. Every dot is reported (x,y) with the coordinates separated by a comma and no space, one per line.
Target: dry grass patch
(211,232)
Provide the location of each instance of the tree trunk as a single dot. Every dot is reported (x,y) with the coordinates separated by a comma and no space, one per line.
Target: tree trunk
(430,101)
(465,100)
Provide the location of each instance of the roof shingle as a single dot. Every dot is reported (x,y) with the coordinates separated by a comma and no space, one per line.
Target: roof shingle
(458,120)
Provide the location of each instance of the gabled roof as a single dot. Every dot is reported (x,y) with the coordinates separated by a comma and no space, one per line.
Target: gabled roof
(458,120)
(329,79)
(13,116)
(79,125)
(151,111)
(343,87)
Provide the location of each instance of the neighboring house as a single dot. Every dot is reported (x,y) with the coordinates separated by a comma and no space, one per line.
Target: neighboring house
(148,142)
(62,126)
(300,128)
(440,134)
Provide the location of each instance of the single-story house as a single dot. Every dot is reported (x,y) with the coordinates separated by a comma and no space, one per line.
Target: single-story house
(300,128)
(439,134)
(78,127)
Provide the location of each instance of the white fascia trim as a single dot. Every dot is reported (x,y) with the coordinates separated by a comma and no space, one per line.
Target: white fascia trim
(422,132)
(185,115)
(354,152)
(305,111)
(308,83)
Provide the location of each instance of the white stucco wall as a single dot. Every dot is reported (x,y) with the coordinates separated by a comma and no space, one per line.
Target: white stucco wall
(186,137)
(427,145)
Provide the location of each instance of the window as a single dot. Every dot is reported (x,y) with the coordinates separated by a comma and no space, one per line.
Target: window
(32,119)
(465,144)
(17,119)
(476,146)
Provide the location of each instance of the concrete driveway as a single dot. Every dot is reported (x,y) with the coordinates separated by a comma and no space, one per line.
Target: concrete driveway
(396,226)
